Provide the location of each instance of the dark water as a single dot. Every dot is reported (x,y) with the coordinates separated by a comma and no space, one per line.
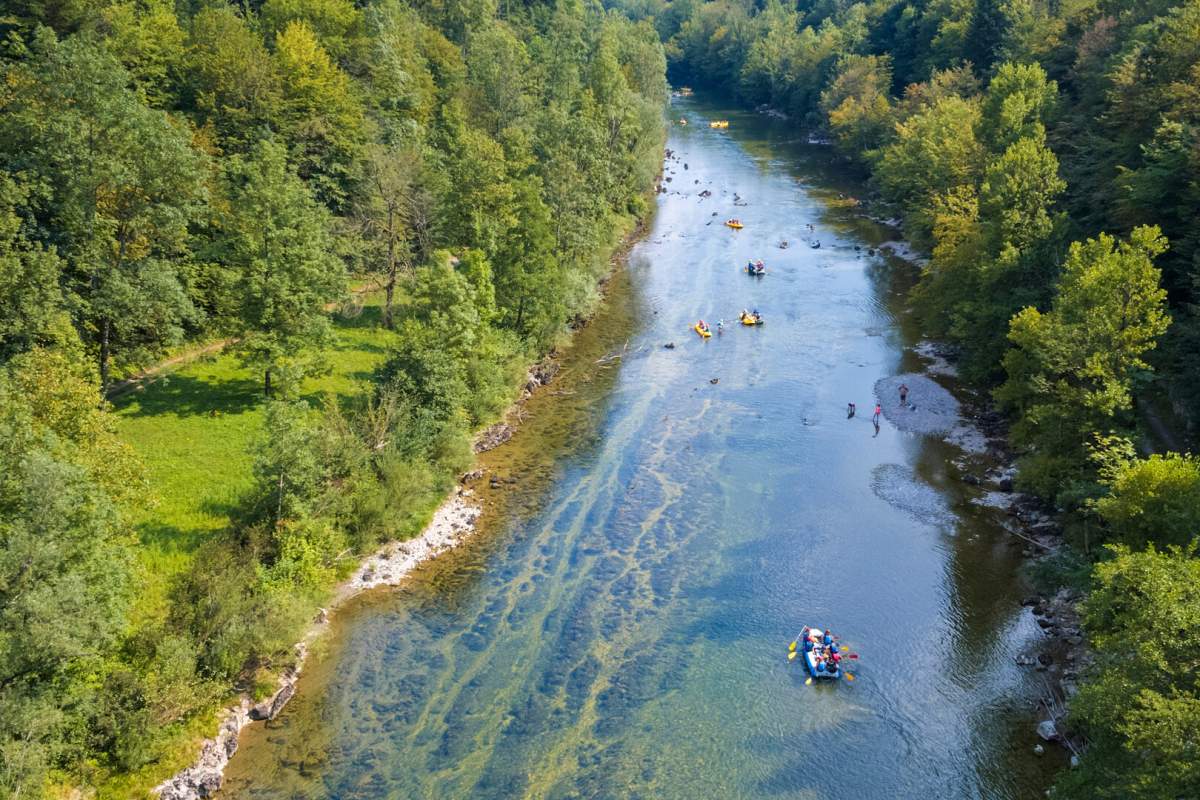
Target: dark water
(627,638)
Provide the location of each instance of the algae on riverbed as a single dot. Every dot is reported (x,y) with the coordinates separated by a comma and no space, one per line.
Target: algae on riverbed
(620,629)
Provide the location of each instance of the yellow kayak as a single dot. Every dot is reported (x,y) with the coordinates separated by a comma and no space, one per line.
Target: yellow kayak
(720,123)
(703,333)
(733,223)
(749,319)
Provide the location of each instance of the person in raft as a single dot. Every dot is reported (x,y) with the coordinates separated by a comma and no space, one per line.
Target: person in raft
(702,325)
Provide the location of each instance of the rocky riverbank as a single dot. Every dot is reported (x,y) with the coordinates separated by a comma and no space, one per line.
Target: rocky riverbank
(452,523)
(989,464)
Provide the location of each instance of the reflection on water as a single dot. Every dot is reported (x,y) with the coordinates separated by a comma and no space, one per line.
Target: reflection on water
(622,629)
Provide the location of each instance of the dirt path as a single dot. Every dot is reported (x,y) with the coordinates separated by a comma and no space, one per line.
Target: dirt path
(150,374)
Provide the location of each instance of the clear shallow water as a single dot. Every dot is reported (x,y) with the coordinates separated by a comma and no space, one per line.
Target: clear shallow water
(624,633)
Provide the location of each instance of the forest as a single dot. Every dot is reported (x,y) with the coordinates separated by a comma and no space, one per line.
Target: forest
(1046,156)
(371,217)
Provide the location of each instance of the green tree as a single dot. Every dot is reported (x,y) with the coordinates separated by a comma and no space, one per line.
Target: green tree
(395,212)
(858,105)
(64,564)
(1017,101)
(125,184)
(934,152)
(320,115)
(1154,500)
(279,239)
(146,37)
(1140,708)
(32,307)
(231,80)
(1072,369)
(529,280)
(337,24)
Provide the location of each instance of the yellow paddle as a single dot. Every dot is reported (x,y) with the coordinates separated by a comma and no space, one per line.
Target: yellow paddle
(792,646)
(792,656)
(849,677)
(808,682)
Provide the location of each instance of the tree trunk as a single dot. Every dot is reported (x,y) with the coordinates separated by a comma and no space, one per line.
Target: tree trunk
(105,336)
(387,303)
(267,382)
(391,270)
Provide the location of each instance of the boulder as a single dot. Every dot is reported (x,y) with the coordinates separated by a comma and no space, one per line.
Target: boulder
(1047,730)
(281,699)
(208,784)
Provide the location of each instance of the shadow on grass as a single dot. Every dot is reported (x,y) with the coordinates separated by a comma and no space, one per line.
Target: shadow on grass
(370,317)
(162,537)
(187,395)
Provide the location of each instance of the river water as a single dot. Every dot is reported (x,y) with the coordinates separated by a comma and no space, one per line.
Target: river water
(622,631)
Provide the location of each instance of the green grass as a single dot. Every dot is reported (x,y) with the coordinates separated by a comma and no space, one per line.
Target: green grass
(193,430)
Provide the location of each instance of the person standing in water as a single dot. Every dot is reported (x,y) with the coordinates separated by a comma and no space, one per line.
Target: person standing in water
(875,417)
(904,395)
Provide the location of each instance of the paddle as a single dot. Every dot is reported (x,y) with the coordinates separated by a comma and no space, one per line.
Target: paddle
(849,677)
(808,682)
(792,656)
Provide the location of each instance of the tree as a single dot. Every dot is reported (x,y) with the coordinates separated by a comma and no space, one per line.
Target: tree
(529,282)
(857,104)
(1015,105)
(32,307)
(1153,500)
(934,151)
(125,185)
(231,80)
(395,212)
(1140,708)
(337,24)
(279,238)
(64,561)
(145,36)
(497,70)
(1072,369)
(320,114)
(401,87)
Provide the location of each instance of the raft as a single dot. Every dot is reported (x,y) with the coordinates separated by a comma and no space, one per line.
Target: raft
(748,319)
(703,333)
(733,223)
(758,270)
(810,660)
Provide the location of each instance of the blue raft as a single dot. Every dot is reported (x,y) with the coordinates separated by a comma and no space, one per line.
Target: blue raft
(817,655)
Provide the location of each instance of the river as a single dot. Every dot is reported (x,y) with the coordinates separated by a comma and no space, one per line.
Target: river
(622,631)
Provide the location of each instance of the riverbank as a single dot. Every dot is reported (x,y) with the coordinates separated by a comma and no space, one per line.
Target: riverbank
(469,509)
(988,463)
